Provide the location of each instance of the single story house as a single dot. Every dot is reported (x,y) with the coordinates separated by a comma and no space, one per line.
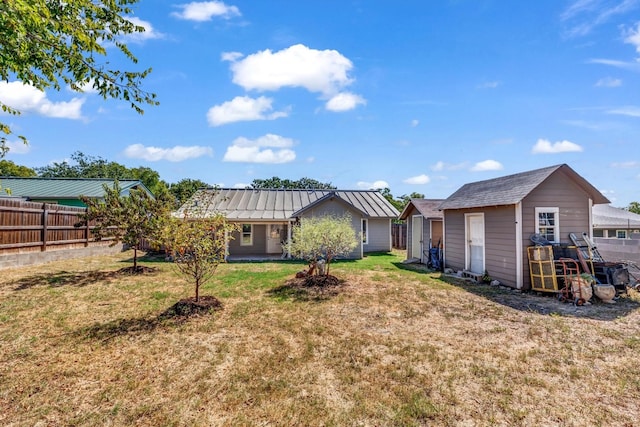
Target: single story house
(266,216)
(614,223)
(65,191)
(424,227)
(488,224)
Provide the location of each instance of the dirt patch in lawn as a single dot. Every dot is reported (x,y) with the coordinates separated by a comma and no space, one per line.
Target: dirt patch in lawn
(310,288)
(139,269)
(189,307)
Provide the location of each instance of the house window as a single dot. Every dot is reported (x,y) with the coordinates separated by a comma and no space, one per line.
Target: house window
(365,231)
(246,239)
(548,223)
(621,234)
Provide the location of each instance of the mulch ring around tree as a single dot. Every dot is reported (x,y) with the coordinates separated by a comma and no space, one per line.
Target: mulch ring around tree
(315,287)
(189,307)
(139,269)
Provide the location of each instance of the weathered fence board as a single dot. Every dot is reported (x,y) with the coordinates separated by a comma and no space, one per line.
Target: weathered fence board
(399,235)
(28,226)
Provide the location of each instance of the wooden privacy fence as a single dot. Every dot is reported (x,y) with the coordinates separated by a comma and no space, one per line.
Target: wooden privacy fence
(29,227)
(399,235)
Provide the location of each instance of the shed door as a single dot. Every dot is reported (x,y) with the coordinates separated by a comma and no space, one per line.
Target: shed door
(416,237)
(475,243)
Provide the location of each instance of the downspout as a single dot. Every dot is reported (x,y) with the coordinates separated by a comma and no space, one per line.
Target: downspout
(519,247)
(591,219)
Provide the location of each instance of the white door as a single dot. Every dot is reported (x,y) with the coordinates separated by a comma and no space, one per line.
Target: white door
(274,238)
(416,237)
(475,243)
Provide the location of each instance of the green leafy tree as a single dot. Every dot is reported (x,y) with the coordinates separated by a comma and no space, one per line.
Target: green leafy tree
(127,219)
(634,207)
(281,184)
(185,188)
(386,193)
(197,241)
(324,237)
(8,168)
(53,43)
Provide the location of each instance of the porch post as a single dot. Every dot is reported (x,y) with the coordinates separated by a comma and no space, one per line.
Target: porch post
(289,238)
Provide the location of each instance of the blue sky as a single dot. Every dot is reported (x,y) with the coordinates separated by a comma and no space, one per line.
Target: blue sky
(417,96)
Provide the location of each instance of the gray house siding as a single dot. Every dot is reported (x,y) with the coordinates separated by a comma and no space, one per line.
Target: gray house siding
(509,207)
(379,235)
(431,232)
(259,245)
(499,241)
(409,221)
(454,250)
(573,208)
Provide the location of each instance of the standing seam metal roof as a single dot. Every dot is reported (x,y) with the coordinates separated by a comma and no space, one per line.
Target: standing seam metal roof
(278,204)
(64,188)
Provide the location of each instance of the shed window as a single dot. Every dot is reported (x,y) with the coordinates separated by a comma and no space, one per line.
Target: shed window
(365,231)
(247,235)
(621,234)
(548,223)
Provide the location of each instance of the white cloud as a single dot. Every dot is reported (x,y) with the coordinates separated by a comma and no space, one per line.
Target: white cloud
(344,101)
(489,85)
(260,150)
(414,123)
(174,154)
(633,37)
(588,14)
(318,71)
(625,65)
(609,82)
(376,185)
(241,185)
(487,165)
(544,146)
(231,56)
(149,32)
(243,108)
(419,179)
(440,166)
(26,98)
(626,165)
(630,111)
(205,11)
(18,147)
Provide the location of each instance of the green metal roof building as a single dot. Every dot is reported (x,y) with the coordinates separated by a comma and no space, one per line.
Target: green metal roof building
(65,191)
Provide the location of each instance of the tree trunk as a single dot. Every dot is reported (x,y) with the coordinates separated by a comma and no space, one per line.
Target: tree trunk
(197,290)
(135,259)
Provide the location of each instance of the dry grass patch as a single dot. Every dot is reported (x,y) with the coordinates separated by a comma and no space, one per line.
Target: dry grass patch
(83,345)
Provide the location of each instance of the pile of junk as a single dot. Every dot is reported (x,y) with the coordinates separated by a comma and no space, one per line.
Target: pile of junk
(577,272)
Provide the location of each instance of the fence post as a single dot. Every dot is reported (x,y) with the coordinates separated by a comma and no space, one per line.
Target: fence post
(45,220)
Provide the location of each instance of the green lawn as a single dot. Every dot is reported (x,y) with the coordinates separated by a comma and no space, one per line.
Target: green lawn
(81,344)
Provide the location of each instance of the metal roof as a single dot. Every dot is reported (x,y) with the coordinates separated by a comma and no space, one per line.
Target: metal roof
(278,204)
(607,216)
(65,188)
(511,189)
(428,208)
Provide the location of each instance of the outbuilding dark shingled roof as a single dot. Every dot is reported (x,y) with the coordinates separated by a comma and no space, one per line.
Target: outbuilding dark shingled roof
(511,189)
(278,204)
(428,208)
